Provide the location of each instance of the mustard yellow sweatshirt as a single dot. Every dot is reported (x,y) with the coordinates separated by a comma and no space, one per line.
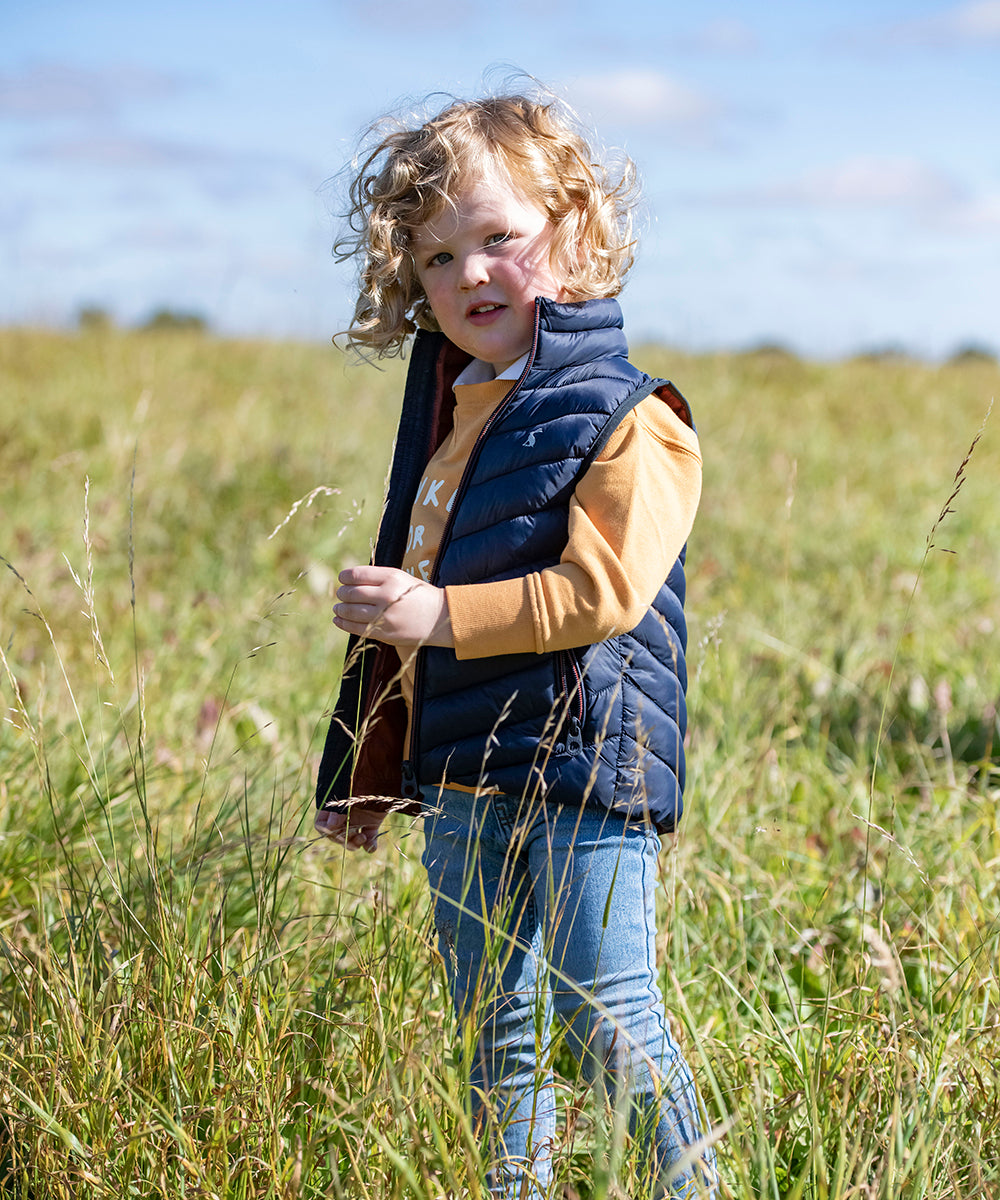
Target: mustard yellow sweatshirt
(629,517)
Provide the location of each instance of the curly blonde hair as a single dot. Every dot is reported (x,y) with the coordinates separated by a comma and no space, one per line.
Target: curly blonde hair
(412,174)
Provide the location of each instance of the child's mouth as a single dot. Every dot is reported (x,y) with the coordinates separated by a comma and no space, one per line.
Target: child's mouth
(485,311)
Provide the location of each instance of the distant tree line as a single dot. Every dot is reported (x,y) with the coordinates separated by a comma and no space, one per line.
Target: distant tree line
(92,318)
(967,353)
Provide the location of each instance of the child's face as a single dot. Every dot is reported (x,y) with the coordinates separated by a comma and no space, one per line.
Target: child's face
(481,264)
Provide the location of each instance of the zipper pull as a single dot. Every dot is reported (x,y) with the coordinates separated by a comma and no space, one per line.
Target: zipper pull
(410,789)
(574,742)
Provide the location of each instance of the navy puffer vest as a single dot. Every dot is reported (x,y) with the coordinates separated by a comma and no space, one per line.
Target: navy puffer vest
(603,724)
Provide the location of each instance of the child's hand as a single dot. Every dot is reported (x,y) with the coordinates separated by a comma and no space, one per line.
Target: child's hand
(387,604)
(357,830)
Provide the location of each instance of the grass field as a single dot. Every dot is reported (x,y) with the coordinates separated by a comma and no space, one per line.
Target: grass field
(198,1000)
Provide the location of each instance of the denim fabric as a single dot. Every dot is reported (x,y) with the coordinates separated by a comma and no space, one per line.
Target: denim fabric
(550,912)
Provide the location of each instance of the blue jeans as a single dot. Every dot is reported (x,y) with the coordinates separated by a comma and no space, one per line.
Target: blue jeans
(541,912)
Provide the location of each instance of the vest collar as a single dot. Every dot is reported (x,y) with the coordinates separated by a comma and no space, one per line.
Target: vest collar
(569,335)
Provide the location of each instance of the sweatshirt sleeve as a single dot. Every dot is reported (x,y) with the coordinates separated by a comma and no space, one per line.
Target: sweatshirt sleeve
(629,517)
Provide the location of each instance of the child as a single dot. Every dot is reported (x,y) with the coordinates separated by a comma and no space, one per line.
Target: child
(516,666)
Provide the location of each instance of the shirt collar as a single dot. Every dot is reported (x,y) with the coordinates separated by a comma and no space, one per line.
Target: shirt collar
(479,372)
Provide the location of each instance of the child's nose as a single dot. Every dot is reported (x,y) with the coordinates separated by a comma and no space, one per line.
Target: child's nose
(474,271)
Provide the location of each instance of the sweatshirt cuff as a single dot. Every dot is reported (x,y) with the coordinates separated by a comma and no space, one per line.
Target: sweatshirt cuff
(492,618)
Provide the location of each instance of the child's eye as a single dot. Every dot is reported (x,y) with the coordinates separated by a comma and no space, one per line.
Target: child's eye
(495,239)
(439,260)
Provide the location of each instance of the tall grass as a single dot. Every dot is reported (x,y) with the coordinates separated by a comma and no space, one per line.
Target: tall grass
(198,1000)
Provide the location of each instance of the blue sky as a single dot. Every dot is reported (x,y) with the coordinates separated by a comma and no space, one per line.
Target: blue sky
(822,174)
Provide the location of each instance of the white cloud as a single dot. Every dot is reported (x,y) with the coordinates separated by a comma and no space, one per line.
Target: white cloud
(870,181)
(223,171)
(119,150)
(976,22)
(648,98)
(160,236)
(981,215)
(54,89)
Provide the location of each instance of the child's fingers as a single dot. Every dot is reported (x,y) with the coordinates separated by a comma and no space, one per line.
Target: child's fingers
(338,828)
(374,585)
(361,628)
(363,839)
(356,593)
(357,575)
(379,597)
(330,824)
(370,576)
(357,612)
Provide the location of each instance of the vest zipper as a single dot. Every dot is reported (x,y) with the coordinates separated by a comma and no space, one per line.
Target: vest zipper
(574,696)
(409,771)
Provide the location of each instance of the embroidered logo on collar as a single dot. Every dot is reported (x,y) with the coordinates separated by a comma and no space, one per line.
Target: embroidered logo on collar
(531,438)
